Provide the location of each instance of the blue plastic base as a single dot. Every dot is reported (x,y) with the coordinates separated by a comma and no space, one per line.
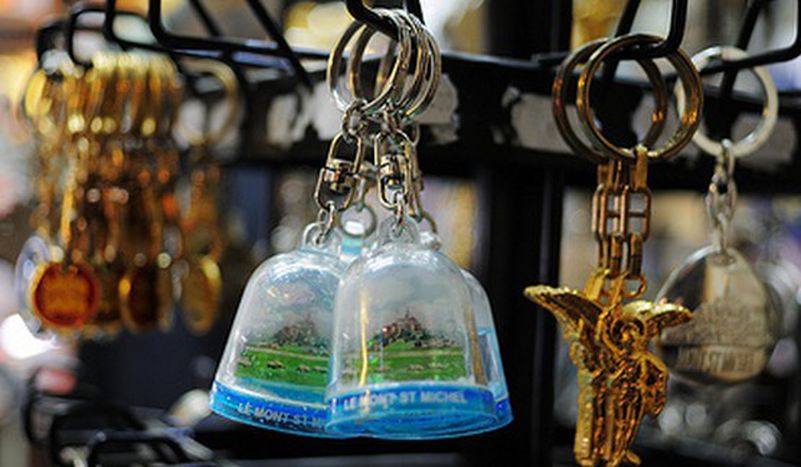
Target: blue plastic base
(417,411)
(273,413)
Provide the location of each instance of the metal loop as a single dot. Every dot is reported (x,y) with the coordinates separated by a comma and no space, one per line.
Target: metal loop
(397,75)
(394,167)
(770,111)
(327,219)
(337,179)
(688,76)
(560,90)
(721,199)
(353,120)
(427,72)
(369,227)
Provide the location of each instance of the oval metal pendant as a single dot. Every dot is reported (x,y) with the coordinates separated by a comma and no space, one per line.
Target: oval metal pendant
(734,325)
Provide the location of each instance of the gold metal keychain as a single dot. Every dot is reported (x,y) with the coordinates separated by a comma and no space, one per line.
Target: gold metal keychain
(201,283)
(145,291)
(606,325)
(65,293)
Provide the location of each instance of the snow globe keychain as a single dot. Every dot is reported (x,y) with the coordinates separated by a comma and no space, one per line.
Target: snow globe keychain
(735,324)
(274,370)
(406,359)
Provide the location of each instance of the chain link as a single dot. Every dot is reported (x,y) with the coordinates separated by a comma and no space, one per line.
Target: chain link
(622,218)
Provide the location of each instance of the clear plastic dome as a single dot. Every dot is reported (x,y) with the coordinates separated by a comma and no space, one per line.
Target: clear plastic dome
(274,370)
(487,342)
(734,325)
(490,352)
(406,359)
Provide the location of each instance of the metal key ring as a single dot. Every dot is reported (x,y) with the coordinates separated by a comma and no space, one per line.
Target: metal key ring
(560,91)
(433,68)
(225,75)
(690,81)
(396,76)
(770,111)
(395,82)
(428,70)
(385,65)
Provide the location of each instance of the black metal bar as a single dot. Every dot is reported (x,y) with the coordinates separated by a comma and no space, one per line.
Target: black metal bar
(365,14)
(278,36)
(414,7)
(624,26)
(205,17)
(774,56)
(720,127)
(241,50)
(678,23)
(45,36)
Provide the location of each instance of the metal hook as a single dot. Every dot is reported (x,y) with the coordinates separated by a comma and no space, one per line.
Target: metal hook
(242,52)
(671,43)
(363,13)
(765,58)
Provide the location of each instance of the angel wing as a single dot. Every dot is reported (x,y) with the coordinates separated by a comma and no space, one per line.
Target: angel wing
(658,316)
(570,307)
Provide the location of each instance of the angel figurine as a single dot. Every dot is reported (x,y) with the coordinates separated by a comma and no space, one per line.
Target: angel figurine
(619,380)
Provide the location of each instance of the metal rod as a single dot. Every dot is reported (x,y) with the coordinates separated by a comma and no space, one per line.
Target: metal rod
(725,115)
(774,56)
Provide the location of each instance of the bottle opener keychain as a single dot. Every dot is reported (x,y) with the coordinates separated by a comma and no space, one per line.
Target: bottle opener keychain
(735,324)
(607,326)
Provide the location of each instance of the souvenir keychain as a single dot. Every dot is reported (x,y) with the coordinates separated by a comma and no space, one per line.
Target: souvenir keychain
(65,292)
(735,324)
(406,358)
(415,98)
(113,81)
(201,283)
(274,370)
(145,290)
(607,326)
(44,106)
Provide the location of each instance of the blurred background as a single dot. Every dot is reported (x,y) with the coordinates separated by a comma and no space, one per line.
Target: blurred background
(266,212)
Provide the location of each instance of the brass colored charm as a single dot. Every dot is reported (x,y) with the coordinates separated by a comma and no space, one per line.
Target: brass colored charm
(202,292)
(619,380)
(65,297)
(107,321)
(145,294)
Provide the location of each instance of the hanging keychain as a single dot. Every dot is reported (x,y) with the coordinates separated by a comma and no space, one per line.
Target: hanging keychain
(406,357)
(203,245)
(735,324)
(145,290)
(607,325)
(65,292)
(45,107)
(111,80)
(274,371)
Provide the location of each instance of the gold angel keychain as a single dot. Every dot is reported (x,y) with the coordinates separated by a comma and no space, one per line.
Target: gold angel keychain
(606,325)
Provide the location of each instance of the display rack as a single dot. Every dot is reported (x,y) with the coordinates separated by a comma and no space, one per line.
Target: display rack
(491,124)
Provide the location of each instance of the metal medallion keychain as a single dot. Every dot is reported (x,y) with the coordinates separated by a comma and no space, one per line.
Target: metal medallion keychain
(735,323)
(202,239)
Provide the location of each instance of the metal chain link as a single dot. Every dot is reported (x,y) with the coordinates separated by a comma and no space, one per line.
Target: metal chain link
(722,195)
(622,218)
